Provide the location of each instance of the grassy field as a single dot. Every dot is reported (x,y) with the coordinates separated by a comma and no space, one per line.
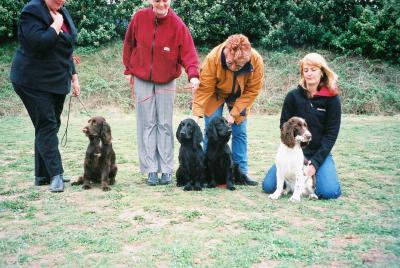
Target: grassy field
(135,225)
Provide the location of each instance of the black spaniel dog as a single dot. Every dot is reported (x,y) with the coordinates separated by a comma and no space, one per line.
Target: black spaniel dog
(219,165)
(190,173)
(99,163)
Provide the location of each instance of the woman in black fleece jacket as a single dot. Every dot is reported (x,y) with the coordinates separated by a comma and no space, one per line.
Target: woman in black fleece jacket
(316,100)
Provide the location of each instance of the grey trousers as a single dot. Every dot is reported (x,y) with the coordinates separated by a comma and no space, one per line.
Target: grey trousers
(154,108)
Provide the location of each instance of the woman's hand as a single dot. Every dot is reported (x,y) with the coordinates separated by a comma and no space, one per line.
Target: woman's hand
(195,82)
(310,171)
(58,21)
(76,88)
(230,119)
(131,82)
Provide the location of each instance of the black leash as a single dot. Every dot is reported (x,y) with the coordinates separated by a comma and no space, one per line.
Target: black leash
(79,99)
(65,135)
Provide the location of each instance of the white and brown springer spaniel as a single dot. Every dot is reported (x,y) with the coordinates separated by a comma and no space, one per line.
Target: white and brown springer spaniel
(290,161)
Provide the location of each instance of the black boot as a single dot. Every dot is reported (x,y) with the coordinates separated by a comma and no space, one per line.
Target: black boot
(249,181)
(39,181)
(57,184)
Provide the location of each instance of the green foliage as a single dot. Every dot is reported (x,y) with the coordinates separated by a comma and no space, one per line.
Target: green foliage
(210,22)
(375,32)
(9,11)
(364,27)
(99,21)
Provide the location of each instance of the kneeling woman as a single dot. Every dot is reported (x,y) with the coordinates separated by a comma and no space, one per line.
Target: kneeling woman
(316,100)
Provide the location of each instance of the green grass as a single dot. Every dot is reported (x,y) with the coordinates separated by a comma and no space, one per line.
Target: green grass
(135,225)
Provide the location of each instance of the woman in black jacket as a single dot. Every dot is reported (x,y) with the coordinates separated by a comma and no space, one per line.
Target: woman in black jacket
(316,100)
(42,73)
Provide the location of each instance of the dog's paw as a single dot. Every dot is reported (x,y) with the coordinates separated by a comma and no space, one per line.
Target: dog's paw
(231,188)
(294,199)
(106,188)
(86,187)
(313,196)
(285,192)
(188,188)
(211,185)
(197,188)
(274,196)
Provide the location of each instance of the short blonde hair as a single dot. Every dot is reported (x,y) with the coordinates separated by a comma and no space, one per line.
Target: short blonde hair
(329,77)
(238,45)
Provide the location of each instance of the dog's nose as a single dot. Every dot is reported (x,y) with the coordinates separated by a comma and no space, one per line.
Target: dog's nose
(308,135)
(85,130)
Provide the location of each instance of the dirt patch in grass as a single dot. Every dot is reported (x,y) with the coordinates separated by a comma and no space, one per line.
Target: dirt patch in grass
(265,264)
(377,256)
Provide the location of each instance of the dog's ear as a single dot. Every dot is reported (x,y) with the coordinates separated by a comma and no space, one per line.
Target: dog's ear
(287,134)
(105,133)
(211,131)
(178,131)
(197,134)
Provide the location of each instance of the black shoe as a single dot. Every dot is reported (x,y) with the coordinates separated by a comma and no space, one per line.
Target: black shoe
(57,184)
(166,178)
(249,181)
(152,179)
(39,181)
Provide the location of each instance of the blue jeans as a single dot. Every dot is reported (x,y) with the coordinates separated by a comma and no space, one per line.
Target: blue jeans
(327,183)
(239,140)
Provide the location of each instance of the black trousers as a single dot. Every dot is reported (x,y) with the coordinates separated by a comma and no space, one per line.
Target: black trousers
(45,110)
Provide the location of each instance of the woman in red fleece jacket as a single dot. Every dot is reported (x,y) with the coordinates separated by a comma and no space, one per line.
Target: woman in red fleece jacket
(157,44)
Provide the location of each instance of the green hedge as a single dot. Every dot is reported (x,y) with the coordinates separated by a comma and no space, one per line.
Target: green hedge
(361,27)
(9,11)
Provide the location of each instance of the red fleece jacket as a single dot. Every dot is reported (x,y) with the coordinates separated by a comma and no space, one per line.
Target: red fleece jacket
(155,49)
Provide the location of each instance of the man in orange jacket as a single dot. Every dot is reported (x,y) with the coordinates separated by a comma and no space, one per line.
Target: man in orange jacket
(231,74)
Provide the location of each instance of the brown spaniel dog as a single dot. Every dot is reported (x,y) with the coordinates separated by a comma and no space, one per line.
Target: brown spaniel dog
(99,163)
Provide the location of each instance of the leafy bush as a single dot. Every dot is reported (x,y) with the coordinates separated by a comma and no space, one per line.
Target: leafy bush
(9,11)
(211,22)
(100,21)
(376,32)
(361,27)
